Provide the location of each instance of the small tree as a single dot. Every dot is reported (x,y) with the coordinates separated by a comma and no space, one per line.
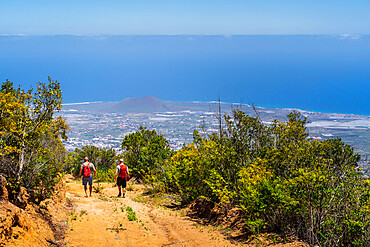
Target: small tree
(145,153)
(29,132)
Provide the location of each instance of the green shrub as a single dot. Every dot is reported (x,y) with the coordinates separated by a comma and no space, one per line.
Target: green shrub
(283,181)
(104,160)
(105,175)
(131,216)
(31,149)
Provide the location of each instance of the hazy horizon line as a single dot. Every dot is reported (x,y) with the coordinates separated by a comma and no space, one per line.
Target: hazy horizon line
(225,35)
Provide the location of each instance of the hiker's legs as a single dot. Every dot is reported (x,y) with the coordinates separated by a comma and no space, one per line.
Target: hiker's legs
(84,183)
(119,184)
(124,182)
(85,187)
(90,184)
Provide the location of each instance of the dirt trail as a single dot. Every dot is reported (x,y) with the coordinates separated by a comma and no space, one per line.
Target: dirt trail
(101,220)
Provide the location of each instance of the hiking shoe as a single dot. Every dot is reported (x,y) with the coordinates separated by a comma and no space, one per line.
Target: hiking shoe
(123,196)
(120,195)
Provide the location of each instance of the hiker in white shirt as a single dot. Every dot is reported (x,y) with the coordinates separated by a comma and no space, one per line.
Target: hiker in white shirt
(123,174)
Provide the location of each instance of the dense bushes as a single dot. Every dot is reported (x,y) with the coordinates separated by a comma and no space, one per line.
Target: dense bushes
(31,151)
(104,160)
(145,152)
(282,180)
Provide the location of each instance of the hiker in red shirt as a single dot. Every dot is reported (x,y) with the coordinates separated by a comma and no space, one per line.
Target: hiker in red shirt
(86,168)
(122,171)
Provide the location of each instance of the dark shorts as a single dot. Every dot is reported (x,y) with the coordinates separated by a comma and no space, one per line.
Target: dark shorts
(121,182)
(87,180)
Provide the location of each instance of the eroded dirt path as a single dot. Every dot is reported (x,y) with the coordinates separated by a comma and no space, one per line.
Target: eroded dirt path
(102,220)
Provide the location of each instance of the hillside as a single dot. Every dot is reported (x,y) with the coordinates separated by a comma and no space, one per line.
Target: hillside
(129,105)
(28,224)
(144,105)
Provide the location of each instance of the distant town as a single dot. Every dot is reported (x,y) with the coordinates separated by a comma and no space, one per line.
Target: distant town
(95,123)
(108,130)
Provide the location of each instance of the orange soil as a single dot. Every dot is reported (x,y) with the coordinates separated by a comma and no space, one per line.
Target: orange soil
(101,220)
(104,223)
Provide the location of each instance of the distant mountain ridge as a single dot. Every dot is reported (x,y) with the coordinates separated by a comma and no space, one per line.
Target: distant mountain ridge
(145,104)
(151,104)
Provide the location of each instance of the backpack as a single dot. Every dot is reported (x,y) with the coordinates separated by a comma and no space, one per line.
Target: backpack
(123,171)
(87,172)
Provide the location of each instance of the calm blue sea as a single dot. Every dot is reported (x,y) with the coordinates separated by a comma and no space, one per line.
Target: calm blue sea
(319,73)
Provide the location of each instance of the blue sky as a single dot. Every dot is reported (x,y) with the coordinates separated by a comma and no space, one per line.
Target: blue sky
(148,17)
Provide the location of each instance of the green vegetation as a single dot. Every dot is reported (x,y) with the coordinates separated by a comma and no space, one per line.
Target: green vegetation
(103,159)
(31,150)
(73,216)
(145,153)
(32,154)
(283,181)
(131,216)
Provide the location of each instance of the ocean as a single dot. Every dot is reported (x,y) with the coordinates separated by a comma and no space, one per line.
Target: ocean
(326,73)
